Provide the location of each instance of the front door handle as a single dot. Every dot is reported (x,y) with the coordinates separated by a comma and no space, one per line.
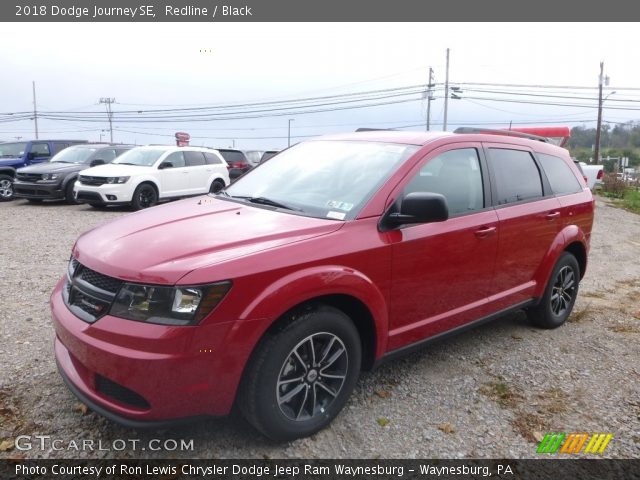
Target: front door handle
(552,215)
(484,232)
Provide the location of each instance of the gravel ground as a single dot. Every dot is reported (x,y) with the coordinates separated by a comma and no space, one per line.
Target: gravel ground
(487,393)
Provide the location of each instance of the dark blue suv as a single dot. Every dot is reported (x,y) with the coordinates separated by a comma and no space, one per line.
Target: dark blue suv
(14,155)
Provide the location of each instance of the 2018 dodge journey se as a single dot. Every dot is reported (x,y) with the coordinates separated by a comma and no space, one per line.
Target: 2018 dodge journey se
(331,257)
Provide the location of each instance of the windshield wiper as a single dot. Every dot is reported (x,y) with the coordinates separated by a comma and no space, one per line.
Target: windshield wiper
(125,163)
(266,201)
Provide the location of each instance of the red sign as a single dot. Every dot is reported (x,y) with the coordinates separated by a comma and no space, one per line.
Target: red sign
(182,139)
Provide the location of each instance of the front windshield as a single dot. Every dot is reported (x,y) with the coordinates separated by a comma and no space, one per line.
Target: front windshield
(73,155)
(325,179)
(143,157)
(14,149)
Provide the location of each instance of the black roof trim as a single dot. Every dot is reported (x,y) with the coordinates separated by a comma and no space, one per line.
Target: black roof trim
(509,133)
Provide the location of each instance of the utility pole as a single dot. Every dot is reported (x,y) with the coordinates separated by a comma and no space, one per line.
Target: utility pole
(596,150)
(289,134)
(446,95)
(35,109)
(108,101)
(429,98)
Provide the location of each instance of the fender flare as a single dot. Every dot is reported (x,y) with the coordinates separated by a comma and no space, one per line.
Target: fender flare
(568,235)
(304,286)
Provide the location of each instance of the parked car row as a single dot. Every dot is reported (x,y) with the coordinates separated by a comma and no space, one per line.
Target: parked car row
(15,155)
(104,174)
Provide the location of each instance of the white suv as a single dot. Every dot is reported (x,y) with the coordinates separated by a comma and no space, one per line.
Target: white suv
(143,176)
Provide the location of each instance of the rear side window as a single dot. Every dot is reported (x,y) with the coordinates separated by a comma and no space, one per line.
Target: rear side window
(193,159)
(559,174)
(516,175)
(59,146)
(456,175)
(212,159)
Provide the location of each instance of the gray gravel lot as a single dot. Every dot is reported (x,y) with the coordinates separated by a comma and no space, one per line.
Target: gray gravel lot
(487,393)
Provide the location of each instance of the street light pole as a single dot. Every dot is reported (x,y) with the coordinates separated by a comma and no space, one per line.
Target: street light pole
(289,134)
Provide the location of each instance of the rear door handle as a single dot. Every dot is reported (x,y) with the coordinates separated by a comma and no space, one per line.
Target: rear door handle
(485,232)
(552,215)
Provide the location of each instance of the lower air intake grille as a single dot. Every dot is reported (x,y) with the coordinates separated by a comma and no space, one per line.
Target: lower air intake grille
(122,394)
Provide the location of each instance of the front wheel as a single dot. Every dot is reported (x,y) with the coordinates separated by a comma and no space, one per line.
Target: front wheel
(560,294)
(6,188)
(301,374)
(69,197)
(145,196)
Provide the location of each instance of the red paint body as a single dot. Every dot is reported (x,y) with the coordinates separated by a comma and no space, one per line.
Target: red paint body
(416,282)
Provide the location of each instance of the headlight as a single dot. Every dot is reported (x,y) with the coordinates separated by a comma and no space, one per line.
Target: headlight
(168,305)
(50,176)
(117,179)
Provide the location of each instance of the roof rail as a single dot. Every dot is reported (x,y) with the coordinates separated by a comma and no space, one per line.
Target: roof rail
(509,133)
(364,129)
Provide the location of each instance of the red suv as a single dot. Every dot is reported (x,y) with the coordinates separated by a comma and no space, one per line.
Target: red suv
(331,257)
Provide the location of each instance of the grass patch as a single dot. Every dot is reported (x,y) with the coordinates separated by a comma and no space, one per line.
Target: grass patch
(598,294)
(624,329)
(631,200)
(501,393)
(530,426)
(555,400)
(578,316)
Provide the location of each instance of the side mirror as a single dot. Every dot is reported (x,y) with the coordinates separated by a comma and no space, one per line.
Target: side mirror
(96,162)
(31,156)
(420,207)
(164,165)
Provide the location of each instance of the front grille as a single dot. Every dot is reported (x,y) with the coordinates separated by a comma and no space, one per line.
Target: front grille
(96,279)
(28,177)
(89,197)
(122,394)
(89,294)
(96,181)
(93,306)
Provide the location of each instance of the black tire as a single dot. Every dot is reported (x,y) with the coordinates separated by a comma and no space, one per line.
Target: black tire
(216,186)
(145,196)
(68,194)
(6,188)
(560,294)
(34,200)
(311,395)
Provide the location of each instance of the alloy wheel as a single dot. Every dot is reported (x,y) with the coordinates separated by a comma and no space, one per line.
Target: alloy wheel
(6,188)
(563,290)
(312,376)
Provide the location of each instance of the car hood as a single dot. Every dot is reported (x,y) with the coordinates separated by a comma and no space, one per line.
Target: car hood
(114,170)
(53,167)
(162,244)
(10,161)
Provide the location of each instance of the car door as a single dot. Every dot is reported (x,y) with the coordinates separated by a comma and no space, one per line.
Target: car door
(529,221)
(441,272)
(199,172)
(40,152)
(174,180)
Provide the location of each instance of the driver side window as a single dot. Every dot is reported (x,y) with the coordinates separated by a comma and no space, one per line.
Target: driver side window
(455,174)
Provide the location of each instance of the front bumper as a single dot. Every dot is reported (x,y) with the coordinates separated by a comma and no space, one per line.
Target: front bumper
(43,191)
(177,372)
(107,194)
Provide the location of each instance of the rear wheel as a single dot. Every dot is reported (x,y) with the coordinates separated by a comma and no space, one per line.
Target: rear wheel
(216,186)
(560,295)
(6,188)
(301,374)
(145,196)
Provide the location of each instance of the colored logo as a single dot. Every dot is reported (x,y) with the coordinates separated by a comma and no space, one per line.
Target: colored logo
(574,442)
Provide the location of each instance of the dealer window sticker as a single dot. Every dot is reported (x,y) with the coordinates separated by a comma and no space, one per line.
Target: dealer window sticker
(337,204)
(336,215)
